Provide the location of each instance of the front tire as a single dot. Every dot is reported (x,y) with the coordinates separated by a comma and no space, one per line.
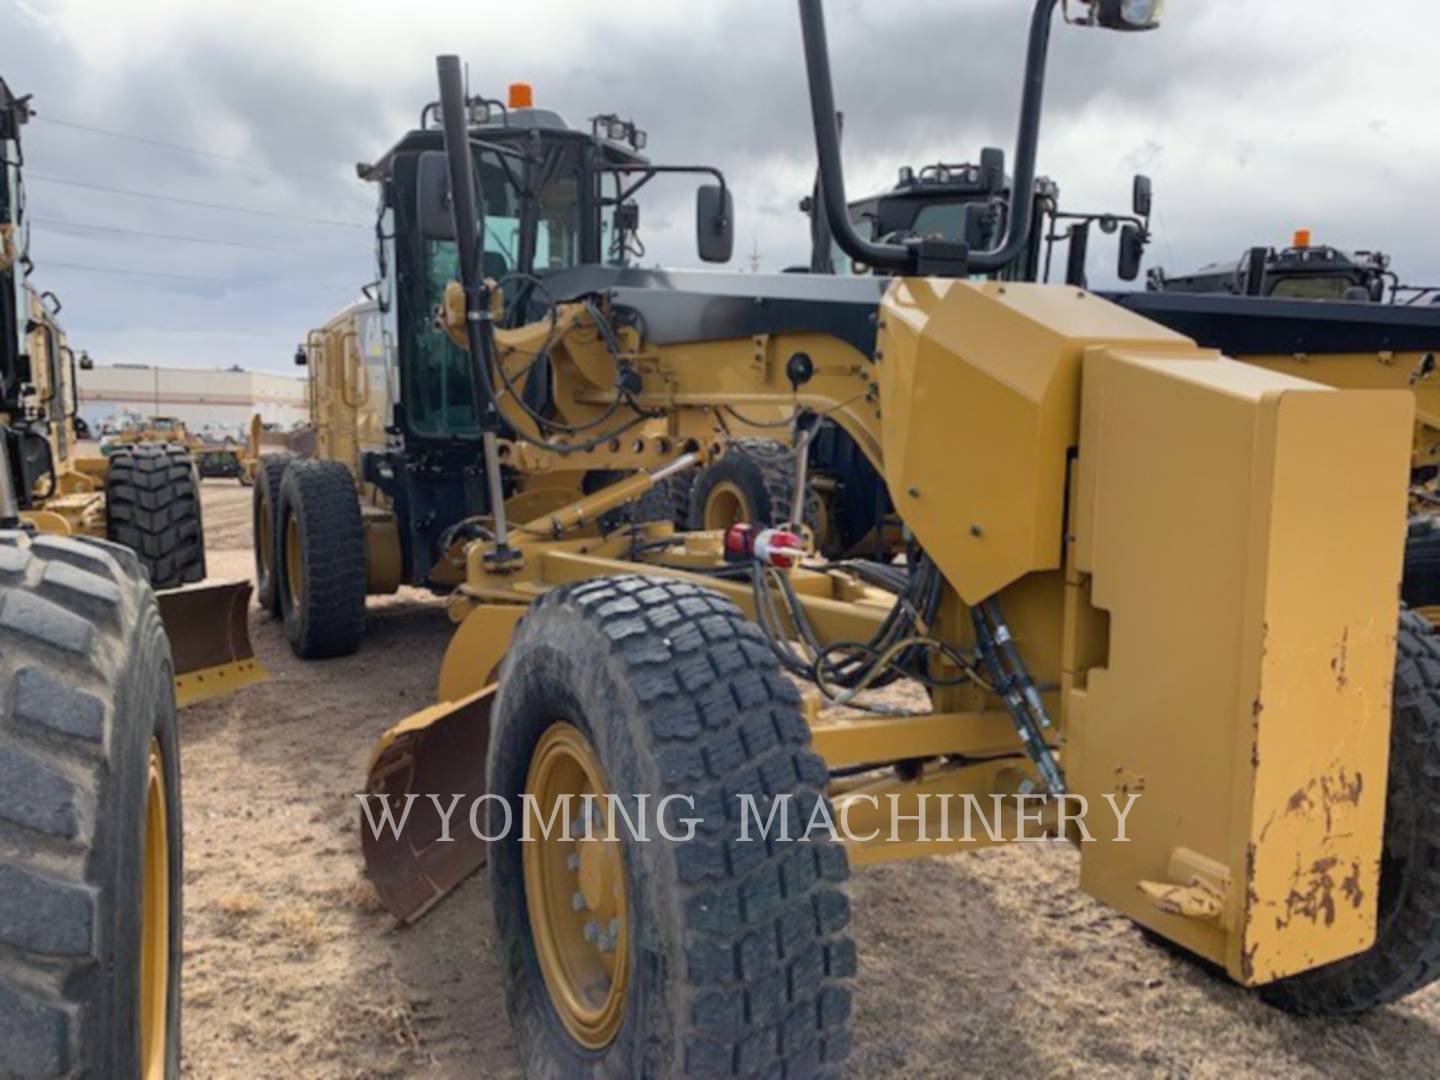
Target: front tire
(321,560)
(265,528)
(90,822)
(152,506)
(735,959)
(1406,953)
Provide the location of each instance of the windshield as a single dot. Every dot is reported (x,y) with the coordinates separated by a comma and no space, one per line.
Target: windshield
(1313,288)
(532,224)
(910,217)
(945,220)
(532,210)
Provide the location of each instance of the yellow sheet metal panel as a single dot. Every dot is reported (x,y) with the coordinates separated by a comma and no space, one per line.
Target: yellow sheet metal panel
(1244,531)
(1413,371)
(979,387)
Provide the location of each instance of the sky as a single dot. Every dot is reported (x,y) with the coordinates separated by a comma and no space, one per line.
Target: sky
(1253,119)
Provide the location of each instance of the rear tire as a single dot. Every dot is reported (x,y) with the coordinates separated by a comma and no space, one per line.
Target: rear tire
(1406,953)
(152,506)
(738,961)
(86,675)
(1420,585)
(321,541)
(265,528)
(753,481)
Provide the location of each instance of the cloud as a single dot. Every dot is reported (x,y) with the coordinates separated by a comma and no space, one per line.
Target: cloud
(1251,120)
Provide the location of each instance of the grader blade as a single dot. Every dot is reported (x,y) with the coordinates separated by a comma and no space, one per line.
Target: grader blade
(429,765)
(209,633)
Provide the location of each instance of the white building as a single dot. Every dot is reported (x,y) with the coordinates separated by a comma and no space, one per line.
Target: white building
(216,400)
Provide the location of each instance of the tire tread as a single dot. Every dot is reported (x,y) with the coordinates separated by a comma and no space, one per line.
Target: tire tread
(768,962)
(55,716)
(152,506)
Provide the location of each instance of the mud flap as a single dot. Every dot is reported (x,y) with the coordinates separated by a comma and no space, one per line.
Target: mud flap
(439,751)
(209,631)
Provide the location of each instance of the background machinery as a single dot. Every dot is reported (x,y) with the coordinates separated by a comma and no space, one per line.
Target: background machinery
(1137,570)
(1302,271)
(1314,311)
(93,662)
(390,482)
(846,505)
(226,458)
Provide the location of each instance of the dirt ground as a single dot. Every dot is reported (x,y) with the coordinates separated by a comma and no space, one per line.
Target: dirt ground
(986,965)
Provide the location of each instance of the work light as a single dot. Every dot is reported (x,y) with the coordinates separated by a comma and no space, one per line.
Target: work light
(1129,14)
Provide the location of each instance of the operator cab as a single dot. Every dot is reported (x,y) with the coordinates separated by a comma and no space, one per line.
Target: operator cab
(968,203)
(1300,272)
(551,198)
(959,203)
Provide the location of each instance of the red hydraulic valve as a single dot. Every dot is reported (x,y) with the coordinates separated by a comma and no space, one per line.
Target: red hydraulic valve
(779,548)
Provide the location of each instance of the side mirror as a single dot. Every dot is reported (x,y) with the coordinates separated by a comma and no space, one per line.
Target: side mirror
(1256,261)
(1142,197)
(992,169)
(433,211)
(714,223)
(1132,251)
(300,358)
(978,223)
(1079,252)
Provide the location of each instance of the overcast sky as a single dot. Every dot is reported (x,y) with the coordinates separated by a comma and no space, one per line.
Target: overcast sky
(1254,118)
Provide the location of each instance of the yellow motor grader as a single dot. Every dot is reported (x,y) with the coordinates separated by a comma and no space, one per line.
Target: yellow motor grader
(1339,318)
(105,629)
(1137,573)
(562,205)
(228,458)
(1310,310)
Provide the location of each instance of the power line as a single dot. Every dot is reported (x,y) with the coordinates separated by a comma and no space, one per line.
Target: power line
(29,176)
(187,239)
(128,272)
(233,159)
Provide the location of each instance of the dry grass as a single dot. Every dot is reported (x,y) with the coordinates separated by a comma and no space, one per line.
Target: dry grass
(361,895)
(299,927)
(240,905)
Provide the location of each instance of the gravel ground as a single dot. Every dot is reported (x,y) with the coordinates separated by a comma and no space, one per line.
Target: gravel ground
(991,964)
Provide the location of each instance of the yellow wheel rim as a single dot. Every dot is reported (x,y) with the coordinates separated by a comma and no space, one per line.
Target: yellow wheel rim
(575,892)
(155,925)
(294,579)
(726,505)
(264,550)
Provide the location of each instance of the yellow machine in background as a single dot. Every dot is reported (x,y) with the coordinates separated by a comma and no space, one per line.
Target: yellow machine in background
(223,459)
(143,493)
(89,737)
(407,513)
(1137,572)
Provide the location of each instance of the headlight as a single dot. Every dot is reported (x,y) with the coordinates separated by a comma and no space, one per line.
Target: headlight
(1129,14)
